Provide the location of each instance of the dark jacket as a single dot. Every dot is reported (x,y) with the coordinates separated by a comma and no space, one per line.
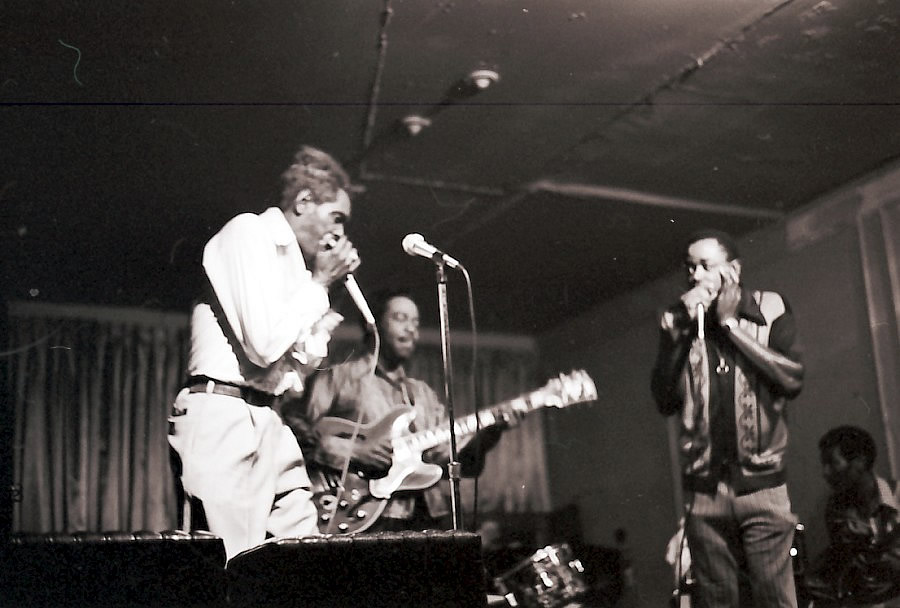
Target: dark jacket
(733,423)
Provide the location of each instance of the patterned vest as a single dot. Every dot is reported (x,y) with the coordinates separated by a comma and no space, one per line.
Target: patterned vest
(761,428)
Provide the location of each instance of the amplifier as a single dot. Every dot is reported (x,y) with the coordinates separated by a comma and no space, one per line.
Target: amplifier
(170,568)
(427,569)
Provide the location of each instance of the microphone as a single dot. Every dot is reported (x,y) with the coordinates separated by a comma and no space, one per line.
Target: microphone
(701,312)
(353,288)
(415,244)
(356,293)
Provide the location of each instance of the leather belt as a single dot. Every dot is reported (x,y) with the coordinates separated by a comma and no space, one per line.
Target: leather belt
(202,384)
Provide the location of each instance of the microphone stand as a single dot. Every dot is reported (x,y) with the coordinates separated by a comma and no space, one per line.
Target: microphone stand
(454,467)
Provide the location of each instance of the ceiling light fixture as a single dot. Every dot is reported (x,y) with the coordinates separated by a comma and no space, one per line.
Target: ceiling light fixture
(415,123)
(482,79)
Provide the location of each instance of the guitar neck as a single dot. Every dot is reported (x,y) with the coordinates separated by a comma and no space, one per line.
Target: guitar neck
(469,425)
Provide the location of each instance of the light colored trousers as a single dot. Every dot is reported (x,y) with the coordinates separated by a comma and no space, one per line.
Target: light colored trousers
(246,468)
(728,534)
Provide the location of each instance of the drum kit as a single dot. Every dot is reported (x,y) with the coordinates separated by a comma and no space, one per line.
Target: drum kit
(551,578)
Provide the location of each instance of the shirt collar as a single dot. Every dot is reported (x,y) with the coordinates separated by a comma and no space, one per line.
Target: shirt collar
(396,377)
(749,309)
(278,227)
(885,495)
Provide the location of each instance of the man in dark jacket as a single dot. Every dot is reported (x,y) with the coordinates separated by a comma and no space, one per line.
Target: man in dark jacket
(727,364)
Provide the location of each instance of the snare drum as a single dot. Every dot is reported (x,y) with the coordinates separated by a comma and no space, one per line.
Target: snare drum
(551,578)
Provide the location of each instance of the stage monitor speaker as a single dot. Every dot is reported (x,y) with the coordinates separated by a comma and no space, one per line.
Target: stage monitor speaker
(172,568)
(431,569)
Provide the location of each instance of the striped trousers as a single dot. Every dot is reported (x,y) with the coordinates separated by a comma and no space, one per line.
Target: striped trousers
(733,536)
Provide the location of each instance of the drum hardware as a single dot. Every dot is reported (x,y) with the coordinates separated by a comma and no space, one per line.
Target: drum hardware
(550,578)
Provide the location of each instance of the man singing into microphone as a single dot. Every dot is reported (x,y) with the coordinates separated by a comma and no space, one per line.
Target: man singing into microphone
(262,324)
(729,381)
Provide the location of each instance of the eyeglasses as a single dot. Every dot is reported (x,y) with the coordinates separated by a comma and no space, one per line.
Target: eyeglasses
(691,267)
(402,317)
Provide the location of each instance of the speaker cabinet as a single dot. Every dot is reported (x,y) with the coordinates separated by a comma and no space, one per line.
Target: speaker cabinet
(114,569)
(428,569)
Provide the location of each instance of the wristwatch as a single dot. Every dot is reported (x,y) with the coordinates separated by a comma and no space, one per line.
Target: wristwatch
(730,323)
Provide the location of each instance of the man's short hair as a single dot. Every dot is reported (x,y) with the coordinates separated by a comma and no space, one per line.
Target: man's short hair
(378,301)
(851,441)
(316,171)
(724,239)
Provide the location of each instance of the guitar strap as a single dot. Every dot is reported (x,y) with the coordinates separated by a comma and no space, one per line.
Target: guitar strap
(400,382)
(404,390)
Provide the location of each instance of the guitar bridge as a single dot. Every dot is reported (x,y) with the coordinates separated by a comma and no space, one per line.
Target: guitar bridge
(332,481)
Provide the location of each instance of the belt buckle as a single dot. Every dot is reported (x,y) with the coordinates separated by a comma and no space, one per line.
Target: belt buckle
(255,397)
(210,387)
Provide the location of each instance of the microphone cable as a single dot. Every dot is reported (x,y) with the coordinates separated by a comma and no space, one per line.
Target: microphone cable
(376,351)
(475,388)
(681,544)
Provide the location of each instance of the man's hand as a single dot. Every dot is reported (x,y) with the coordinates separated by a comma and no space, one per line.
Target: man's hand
(327,323)
(702,293)
(729,295)
(336,259)
(374,455)
(440,454)
(470,451)
(511,418)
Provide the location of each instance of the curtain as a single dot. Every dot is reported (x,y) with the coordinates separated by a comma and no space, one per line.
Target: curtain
(515,476)
(91,391)
(878,228)
(91,388)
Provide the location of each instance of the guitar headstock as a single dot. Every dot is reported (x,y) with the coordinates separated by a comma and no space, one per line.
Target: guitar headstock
(567,389)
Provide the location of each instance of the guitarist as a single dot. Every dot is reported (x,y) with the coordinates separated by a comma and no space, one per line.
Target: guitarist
(351,391)
(862,562)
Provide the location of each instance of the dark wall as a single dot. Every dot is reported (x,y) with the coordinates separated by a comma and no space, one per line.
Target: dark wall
(612,458)
(7,418)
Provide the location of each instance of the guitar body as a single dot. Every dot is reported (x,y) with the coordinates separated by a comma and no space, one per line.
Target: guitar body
(360,502)
(354,503)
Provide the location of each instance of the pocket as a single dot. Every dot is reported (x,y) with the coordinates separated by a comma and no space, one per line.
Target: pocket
(179,432)
(179,422)
(781,503)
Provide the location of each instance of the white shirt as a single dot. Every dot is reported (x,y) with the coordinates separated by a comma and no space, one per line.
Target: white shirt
(269,301)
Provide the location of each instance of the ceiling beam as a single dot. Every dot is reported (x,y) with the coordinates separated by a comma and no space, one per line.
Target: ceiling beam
(574,190)
(624,195)
(431,184)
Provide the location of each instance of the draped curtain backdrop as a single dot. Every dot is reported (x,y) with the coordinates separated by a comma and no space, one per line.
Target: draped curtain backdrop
(91,388)
(515,475)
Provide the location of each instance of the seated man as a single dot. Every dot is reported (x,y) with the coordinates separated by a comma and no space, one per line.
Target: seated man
(861,565)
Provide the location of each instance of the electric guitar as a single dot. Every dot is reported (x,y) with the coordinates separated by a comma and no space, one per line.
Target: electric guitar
(356,502)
